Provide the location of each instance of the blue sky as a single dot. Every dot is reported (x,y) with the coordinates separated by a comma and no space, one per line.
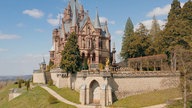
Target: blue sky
(26,26)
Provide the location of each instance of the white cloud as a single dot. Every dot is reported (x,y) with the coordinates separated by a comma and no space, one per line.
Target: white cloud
(35,13)
(54,21)
(8,36)
(3,50)
(148,24)
(20,25)
(40,30)
(161,11)
(104,19)
(119,32)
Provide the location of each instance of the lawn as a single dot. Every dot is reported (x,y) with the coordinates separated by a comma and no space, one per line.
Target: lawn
(148,99)
(67,93)
(36,98)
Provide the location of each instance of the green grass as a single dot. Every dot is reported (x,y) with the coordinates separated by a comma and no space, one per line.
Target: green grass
(67,93)
(148,99)
(36,98)
(4,93)
(179,103)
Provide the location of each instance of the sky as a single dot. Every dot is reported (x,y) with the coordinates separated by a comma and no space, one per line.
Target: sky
(26,26)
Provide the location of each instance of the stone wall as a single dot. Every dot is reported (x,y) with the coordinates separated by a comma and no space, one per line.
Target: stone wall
(123,87)
(122,84)
(39,78)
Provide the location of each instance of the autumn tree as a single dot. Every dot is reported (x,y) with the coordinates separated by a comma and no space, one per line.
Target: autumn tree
(71,59)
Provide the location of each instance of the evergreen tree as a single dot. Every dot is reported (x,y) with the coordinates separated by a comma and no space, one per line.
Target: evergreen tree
(138,43)
(128,32)
(155,29)
(186,27)
(129,28)
(71,59)
(171,33)
(142,30)
(28,84)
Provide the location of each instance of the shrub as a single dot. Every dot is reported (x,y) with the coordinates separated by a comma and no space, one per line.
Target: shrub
(52,100)
(19,84)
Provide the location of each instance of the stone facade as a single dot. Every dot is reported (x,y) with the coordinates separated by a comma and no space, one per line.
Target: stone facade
(103,88)
(94,39)
(39,76)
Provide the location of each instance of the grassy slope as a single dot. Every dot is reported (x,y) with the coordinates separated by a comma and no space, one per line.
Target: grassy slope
(148,99)
(67,93)
(4,94)
(36,98)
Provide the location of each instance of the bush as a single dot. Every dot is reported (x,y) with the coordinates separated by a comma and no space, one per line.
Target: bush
(52,100)
(19,84)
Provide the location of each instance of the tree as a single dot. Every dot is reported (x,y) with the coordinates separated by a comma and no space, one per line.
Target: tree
(19,83)
(28,84)
(155,29)
(138,43)
(128,32)
(184,58)
(71,59)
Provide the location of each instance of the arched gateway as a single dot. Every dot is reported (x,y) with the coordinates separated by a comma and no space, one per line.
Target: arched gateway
(95,92)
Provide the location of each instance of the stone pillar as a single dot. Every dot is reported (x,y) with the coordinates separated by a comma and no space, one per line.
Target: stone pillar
(154,65)
(110,99)
(161,65)
(97,57)
(91,57)
(114,51)
(103,96)
(83,94)
(141,66)
(87,96)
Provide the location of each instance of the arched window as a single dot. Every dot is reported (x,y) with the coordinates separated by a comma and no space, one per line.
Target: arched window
(93,57)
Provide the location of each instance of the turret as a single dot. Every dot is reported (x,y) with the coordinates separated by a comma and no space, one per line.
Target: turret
(81,12)
(97,24)
(43,65)
(107,30)
(67,13)
(74,20)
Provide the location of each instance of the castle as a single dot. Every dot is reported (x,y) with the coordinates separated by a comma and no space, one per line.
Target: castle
(94,39)
(102,87)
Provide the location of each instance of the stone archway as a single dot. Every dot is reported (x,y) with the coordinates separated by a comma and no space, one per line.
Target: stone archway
(95,92)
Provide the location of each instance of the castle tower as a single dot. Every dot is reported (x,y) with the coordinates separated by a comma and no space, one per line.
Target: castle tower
(94,39)
(43,65)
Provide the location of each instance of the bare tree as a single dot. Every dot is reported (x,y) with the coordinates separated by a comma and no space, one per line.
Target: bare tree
(184,61)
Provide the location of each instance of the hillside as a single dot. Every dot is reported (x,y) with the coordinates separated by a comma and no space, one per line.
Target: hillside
(35,98)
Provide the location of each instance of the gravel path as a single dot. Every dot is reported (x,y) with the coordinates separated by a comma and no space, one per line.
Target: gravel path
(53,93)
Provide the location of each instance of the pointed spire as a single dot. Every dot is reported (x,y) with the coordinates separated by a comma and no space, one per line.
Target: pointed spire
(106,29)
(97,21)
(60,20)
(43,60)
(74,20)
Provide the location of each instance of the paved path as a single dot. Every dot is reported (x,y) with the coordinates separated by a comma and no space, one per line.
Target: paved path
(53,93)
(157,106)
